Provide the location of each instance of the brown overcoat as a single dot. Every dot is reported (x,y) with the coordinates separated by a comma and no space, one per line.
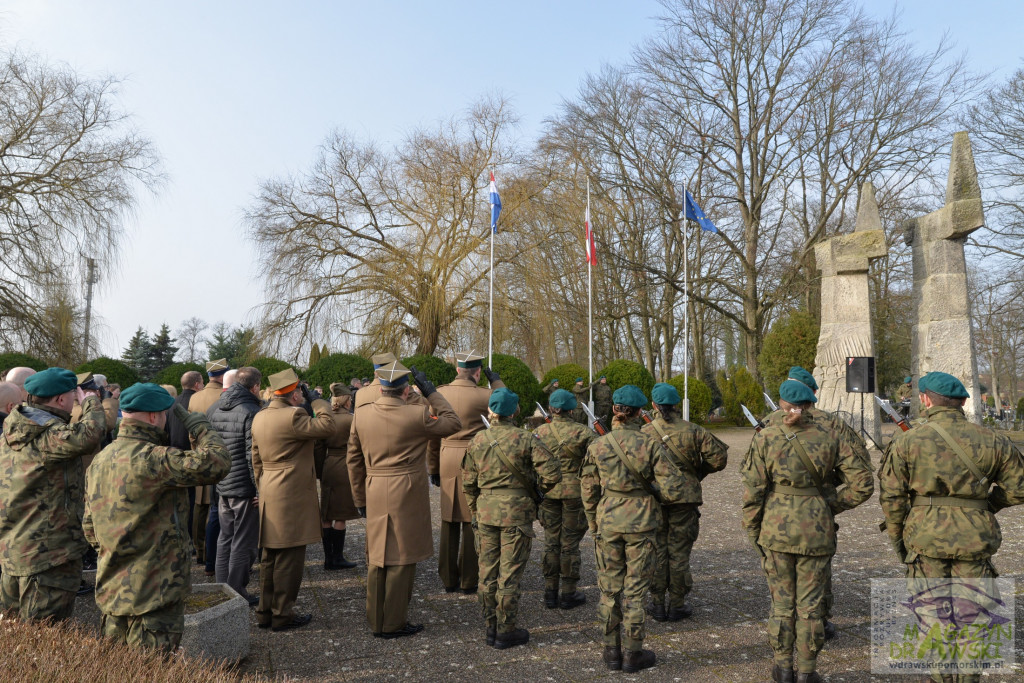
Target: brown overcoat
(335,491)
(469,401)
(371,392)
(387,452)
(283,436)
(200,403)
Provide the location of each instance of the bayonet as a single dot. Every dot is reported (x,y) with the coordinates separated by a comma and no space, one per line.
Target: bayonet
(891,412)
(544,413)
(769,402)
(595,424)
(754,422)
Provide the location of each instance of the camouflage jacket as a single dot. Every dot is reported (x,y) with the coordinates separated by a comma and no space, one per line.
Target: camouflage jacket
(849,439)
(602,394)
(568,440)
(136,515)
(613,499)
(799,524)
(701,453)
(920,463)
(482,469)
(42,483)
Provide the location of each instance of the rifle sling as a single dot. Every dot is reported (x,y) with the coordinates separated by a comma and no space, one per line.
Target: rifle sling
(967,460)
(629,465)
(802,454)
(516,472)
(561,441)
(677,456)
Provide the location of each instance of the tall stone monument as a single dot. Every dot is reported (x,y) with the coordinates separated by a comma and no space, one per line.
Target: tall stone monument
(941,339)
(846,314)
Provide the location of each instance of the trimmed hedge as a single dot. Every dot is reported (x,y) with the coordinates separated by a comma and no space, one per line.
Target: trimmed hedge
(518,377)
(269,366)
(172,374)
(438,370)
(115,371)
(622,372)
(700,397)
(793,340)
(566,375)
(21,360)
(337,367)
(740,387)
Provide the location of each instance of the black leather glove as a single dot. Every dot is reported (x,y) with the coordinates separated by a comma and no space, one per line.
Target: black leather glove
(491,375)
(362,512)
(307,395)
(435,479)
(426,386)
(191,421)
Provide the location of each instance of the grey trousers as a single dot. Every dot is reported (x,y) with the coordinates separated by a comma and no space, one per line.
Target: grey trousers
(236,545)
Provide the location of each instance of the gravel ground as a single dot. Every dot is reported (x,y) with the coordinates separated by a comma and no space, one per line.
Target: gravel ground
(725,640)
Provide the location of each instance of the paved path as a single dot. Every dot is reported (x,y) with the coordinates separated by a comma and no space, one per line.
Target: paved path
(724,641)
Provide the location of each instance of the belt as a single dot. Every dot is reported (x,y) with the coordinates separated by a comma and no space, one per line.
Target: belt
(634,493)
(796,490)
(951,501)
(504,491)
(394,471)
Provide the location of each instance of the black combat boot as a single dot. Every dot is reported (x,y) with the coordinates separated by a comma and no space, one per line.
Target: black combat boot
(780,675)
(830,629)
(571,600)
(813,677)
(679,613)
(551,598)
(656,610)
(328,539)
(491,635)
(637,660)
(339,560)
(612,657)
(503,641)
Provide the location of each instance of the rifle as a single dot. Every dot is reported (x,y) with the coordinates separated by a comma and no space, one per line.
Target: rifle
(769,402)
(595,423)
(544,413)
(537,495)
(754,422)
(645,416)
(900,421)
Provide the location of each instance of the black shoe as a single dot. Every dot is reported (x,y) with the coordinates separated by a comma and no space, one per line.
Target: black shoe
(298,621)
(469,591)
(452,589)
(612,657)
(253,600)
(266,625)
(407,630)
(633,660)
(813,677)
(570,601)
(656,610)
(780,675)
(830,629)
(85,588)
(551,598)
(679,613)
(492,634)
(503,641)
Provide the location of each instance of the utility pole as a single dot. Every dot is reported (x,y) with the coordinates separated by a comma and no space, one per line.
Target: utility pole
(91,279)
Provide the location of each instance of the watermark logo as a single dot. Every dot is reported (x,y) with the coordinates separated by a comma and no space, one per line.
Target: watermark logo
(942,626)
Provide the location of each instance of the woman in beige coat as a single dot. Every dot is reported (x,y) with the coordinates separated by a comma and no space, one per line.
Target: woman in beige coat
(336,506)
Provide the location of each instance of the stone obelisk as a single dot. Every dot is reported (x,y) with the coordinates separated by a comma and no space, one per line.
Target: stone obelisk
(941,338)
(846,314)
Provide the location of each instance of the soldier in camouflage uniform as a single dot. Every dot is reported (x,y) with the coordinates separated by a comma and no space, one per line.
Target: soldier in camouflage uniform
(561,513)
(697,453)
(582,394)
(936,489)
(42,484)
(624,516)
(137,515)
(788,513)
(603,400)
(849,441)
(503,510)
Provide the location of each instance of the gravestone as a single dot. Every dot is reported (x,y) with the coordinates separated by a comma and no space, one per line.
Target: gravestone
(846,314)
(941,339)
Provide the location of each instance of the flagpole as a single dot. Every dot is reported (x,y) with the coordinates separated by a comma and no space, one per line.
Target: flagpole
(686,314)
(490,321)
(590,301)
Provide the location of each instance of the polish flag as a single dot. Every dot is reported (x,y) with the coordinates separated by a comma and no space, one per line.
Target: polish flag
(588,240)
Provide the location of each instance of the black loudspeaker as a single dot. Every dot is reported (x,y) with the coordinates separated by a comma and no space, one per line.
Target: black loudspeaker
(860,375)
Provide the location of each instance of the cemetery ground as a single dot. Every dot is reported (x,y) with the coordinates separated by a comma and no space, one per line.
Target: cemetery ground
(724,640)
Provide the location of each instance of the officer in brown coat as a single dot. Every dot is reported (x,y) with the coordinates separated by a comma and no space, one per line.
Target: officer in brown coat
(283,436)
(336,506)
(387,450)
(370,391)
(458,564)
(200,403)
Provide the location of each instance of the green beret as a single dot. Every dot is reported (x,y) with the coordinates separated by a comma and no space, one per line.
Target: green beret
(51,382)
(503,402)
(579,379)
(629,396)
(562,399)
(795,391)
(922,384)
(944,384)
(145,397)
(665,394)
(800,375)
(907,379)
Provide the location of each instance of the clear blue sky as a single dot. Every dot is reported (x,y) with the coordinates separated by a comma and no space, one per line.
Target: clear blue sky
(233,92)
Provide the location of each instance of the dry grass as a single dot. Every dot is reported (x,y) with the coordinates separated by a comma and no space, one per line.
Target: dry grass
(66,653)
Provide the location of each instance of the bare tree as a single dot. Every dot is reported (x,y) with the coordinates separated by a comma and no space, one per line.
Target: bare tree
(190,336)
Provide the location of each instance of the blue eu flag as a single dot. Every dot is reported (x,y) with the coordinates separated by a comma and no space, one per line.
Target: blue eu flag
(695,213)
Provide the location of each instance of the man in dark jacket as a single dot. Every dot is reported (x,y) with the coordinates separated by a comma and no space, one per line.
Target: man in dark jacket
(191,382)
(232,417)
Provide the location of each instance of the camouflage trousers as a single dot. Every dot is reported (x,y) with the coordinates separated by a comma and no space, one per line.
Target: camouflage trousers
(157,630)
(676,536)
(565,525)
(50,594)
(922,567)
(504,554)
(625,563)
(797,586)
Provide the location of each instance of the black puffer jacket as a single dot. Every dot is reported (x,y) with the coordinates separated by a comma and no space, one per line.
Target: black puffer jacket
(232,418)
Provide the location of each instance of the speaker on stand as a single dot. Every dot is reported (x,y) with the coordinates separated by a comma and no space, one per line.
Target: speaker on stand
(860,379)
